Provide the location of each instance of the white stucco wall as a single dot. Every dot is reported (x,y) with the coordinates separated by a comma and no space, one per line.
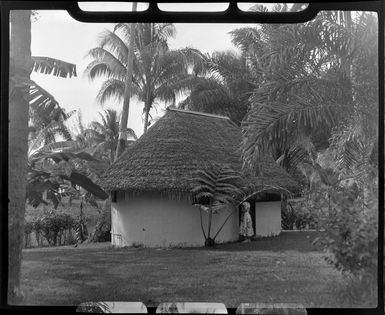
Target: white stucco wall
(267,218)
(155,221)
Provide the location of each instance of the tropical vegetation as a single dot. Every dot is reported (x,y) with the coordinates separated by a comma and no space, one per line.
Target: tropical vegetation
(159,73)
(101,137)
(38,164)
(26,96)
(310,94)
(304,94)
(221,86)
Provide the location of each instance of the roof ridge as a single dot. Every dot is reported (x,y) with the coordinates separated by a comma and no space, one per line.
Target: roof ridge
(197,113)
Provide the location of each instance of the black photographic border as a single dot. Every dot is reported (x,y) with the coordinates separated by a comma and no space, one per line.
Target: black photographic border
(153,14)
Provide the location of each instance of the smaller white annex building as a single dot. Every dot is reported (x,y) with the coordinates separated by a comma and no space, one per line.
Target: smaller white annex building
(152,203)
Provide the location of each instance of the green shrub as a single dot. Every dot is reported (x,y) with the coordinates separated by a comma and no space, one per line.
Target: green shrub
(52,226)
(298,215)
(55,228)
(350,234)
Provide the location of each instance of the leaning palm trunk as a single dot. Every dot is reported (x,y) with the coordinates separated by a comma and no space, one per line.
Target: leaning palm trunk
(127,91)
(146,117)
(20,69)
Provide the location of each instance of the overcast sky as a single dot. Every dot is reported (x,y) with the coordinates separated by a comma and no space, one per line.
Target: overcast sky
(56,34)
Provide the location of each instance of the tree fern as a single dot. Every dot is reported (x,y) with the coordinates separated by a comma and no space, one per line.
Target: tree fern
(216,188)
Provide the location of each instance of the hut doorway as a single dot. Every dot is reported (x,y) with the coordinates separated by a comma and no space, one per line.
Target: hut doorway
(252,213)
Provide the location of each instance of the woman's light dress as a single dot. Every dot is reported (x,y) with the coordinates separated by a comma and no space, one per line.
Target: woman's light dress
(246,227)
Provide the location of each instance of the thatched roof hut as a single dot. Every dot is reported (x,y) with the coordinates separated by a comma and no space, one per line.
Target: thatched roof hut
(152,204)
(166,158)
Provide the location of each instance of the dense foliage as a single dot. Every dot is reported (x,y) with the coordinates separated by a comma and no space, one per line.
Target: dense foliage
(305,93)
(312,103)
(350,236)
(298,216)
(102,230)
(350,230)
(50,228)
(57,170)
(222,85)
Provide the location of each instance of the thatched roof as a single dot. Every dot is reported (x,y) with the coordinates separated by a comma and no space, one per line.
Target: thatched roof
(176,146)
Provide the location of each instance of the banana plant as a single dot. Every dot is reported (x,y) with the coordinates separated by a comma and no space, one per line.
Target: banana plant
(57,171)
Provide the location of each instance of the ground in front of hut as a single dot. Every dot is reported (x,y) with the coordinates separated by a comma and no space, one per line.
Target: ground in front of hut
(283,269)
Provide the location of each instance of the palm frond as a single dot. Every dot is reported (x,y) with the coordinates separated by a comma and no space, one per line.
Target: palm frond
(266,124)
(353,150)
(113,43)
(52,147)
(111,88)
(63,155)
(48,132)
(218,183)
(53,67)
(204,194)
(105,64)
(38,96)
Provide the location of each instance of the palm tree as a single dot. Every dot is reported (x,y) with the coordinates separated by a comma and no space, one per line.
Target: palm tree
(225,80)
(306,88)
(127,90)
(158,73)
(79,133)
(318,92)
(355,143)
(104,135)
(20,89)
(222,86)
(101,140)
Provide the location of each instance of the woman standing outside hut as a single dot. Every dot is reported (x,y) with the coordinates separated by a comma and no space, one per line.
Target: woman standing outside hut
(246,227)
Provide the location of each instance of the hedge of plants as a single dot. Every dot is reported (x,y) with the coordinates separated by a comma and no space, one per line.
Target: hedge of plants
(56,228)
(50,229)
(298,216)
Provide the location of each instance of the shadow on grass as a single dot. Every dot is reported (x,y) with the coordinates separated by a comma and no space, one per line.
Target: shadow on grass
(297,240)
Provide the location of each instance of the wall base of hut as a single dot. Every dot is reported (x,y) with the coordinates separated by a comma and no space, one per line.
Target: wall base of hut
(156,220)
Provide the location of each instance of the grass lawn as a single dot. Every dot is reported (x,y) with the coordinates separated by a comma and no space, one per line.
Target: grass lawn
(284,269)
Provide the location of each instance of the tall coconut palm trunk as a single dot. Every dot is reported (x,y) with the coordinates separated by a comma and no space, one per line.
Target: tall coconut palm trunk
(147,108)
(127,91)
(20,70)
